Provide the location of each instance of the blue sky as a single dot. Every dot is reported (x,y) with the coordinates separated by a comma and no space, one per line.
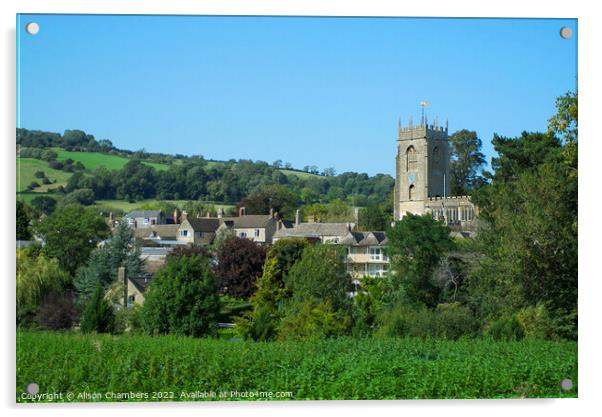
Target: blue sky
(309,91)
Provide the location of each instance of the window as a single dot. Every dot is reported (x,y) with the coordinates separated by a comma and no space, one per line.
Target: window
(242,234)
(411,192)
(256,232)
(375,254)
(436,157)
(145,220)
(411,159)
(184,233)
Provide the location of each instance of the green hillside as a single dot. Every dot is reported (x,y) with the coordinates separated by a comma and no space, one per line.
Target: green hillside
(92,160)
(27,167)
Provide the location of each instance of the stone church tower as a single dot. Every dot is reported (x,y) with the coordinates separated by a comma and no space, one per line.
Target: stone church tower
(422,169)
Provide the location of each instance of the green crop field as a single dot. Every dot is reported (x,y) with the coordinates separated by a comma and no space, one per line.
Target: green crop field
(92,160)
(26,168)
(346,368)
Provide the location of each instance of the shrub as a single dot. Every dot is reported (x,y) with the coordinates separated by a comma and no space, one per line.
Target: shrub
(129,320)
(46,181)
(39,174)
(312,319)
(84,196)
(506,328)
(539,323)
(57,312)
(98,315)
(33,185)
(448,321)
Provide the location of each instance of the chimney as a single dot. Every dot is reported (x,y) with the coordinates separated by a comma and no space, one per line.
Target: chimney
(208,214)
(220,213)
(121,277)
(241,211)
(175,215)
(272,212)
(184,216)
(356,215)
(297,216)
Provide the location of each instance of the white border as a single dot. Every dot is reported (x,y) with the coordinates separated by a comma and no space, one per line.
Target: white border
(589,233)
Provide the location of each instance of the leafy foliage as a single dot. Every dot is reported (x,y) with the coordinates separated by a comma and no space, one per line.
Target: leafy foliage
(182,299)
(466,162)
(101,268)
(416,245)
(37,278)
(97,315)
(239,264)
(23,232)
(70,234)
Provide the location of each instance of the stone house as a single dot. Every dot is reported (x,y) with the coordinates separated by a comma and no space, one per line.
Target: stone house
(259,228)
(365,254)
(199,231)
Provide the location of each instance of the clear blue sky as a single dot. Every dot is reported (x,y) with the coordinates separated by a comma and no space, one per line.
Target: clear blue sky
(310,91)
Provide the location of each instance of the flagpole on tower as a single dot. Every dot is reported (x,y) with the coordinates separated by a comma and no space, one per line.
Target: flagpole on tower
(423,104)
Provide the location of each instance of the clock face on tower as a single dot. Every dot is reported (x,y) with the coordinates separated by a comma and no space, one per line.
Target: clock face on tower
(411,178)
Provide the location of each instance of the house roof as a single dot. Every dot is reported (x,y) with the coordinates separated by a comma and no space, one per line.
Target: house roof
(150,251)
(365,239)
(143,213)
(315,230)
(141,282)
(249,221)
(204,224)
(158,231)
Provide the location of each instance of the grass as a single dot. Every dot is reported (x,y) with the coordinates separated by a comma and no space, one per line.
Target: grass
(300,174)
(26,168)
(342,368)
(92,160)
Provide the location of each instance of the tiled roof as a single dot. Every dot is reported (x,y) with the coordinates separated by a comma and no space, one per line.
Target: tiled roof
(163,231)
(249,221)
(316,230)
(141,282)
(143,213)
(204,224)
(364,239)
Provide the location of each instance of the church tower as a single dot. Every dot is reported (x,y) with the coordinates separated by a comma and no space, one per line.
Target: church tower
(422,167)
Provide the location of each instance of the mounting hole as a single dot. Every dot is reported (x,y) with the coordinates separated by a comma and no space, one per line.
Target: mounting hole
(566,32)
(32,28)
(566,385)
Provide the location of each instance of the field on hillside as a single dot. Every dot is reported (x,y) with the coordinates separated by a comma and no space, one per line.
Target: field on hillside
(178,368)
(92,160)
(26,168)
(126,206)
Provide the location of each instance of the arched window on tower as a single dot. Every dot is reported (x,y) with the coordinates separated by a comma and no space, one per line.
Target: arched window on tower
(412,159)
(411,192)
(436,157)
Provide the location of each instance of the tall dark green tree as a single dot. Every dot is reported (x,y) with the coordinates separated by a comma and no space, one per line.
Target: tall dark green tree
(416,245)
(98,315)
(182,299)
(466,162)
(101,268)
(23,232)
(528,231)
